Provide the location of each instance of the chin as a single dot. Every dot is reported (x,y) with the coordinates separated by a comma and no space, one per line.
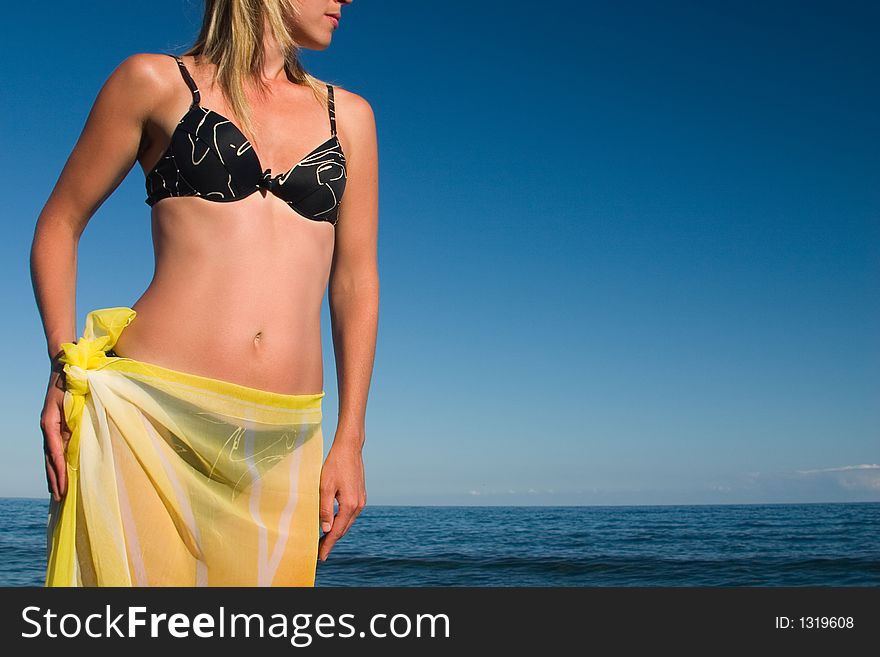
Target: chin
(320,43)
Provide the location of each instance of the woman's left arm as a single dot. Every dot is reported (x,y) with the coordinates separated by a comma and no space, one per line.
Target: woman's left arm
(353,296)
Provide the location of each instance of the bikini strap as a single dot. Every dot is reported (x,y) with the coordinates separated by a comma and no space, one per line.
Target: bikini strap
(331,108)
(188,79)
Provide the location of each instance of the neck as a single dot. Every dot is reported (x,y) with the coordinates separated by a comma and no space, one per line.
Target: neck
(273,58)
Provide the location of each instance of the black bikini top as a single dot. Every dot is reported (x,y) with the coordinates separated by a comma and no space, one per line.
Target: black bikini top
(210,157)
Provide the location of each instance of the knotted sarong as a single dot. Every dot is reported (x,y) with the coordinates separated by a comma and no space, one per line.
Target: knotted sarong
(176,479)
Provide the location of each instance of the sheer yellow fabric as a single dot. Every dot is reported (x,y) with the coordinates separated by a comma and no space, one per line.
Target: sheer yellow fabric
(176,479)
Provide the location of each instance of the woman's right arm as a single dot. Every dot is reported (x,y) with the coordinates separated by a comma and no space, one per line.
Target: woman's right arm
(105,152)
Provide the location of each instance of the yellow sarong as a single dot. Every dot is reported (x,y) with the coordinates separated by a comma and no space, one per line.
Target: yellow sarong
(176,479)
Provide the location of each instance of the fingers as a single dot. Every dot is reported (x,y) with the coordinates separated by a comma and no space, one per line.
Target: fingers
(57,472)
(342,481)
(325,514)
(61,473)
(348,511)
(65,431)
(61,456)
(356,507)
(329,539)
(52,481)
(56,468)
(54,443)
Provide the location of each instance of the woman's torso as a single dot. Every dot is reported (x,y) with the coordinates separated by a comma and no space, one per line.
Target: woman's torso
(238,286)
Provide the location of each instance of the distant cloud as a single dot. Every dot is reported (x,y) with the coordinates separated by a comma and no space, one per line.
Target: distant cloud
(510,491)
(860,477)
(843,468)
(838,483)
(832,483)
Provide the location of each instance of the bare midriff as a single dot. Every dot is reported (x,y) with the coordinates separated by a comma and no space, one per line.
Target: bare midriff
(236,293)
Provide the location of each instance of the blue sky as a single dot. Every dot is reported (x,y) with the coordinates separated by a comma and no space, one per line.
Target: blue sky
(628,254)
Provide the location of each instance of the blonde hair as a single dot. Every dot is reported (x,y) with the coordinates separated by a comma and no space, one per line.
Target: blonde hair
(231,38)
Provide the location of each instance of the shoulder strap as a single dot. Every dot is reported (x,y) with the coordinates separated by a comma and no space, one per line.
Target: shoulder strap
(331,109)
(188,79)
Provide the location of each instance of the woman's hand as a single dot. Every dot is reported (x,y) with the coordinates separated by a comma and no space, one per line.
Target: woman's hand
(56,435)
(342,478)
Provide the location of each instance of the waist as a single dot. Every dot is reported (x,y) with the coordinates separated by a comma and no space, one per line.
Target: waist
(274,347)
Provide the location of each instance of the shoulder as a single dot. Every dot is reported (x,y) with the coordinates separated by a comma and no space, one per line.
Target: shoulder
(144,78)
(147,68)
(354,115)
(141,83)
(355,107)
